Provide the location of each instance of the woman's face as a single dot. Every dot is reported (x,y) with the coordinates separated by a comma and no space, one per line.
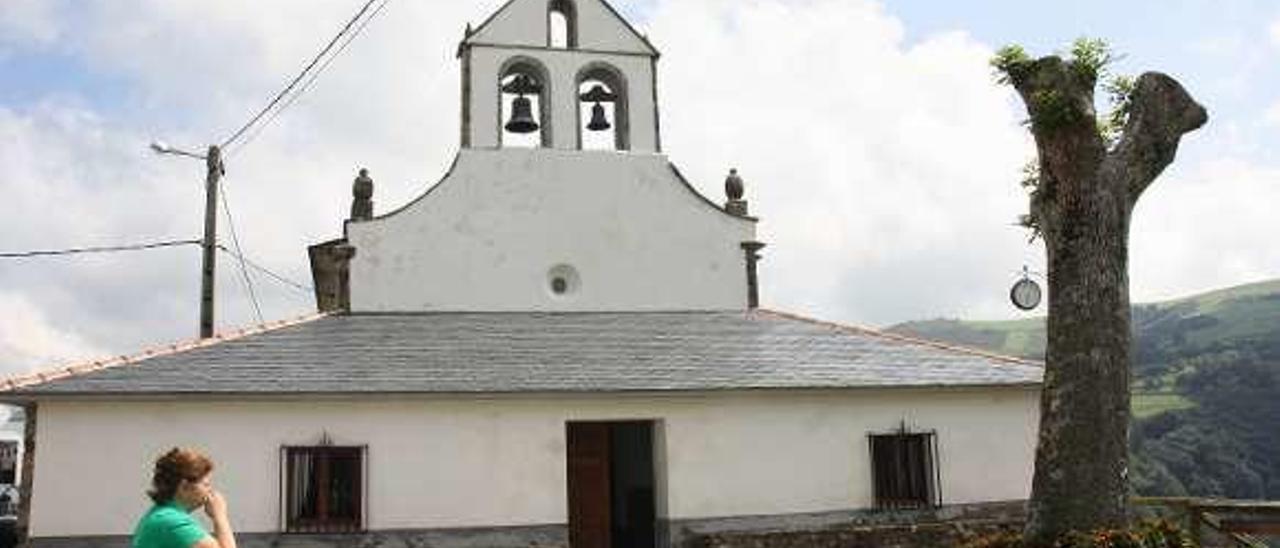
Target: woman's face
(193,494)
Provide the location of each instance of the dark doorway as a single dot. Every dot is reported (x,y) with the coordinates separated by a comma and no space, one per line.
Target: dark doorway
(611,484)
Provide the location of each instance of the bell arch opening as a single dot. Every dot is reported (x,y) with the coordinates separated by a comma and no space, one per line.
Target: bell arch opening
(562,24)
(603,122)
(524,106)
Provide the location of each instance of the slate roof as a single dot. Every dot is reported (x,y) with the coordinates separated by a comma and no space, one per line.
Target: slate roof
(543,352)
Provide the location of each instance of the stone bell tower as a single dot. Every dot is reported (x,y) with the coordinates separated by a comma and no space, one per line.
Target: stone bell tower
(560,198)
(585,63)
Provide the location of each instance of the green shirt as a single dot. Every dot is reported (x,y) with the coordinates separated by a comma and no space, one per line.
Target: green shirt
(167,525)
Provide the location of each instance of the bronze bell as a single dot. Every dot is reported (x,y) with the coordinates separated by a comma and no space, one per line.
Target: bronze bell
(598,121)
(521,116)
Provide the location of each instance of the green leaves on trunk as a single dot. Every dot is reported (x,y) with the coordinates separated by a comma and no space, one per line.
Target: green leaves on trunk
(1050,109)
(1089,59)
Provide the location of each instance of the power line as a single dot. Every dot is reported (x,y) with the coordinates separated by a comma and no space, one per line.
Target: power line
(100,249)
(310,81)
(276,100)
(296,285)
(244,272)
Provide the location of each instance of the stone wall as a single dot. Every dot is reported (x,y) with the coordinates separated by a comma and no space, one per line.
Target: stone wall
(931,535)
(929,527)
(550,536)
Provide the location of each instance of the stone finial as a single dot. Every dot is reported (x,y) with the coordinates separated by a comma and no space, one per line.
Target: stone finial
(733,190)
(331,274)
(362,191)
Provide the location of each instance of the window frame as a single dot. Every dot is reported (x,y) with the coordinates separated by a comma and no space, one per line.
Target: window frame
(325,524)
(568,10)
(931,475)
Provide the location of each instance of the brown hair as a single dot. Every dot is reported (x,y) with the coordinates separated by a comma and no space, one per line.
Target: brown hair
(173,467)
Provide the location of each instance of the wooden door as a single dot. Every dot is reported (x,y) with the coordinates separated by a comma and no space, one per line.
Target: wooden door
(589,502)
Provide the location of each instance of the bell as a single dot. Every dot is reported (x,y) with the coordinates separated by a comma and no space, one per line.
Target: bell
(521,116)
(598,121)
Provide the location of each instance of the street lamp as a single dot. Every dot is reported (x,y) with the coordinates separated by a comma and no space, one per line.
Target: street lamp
(215,170)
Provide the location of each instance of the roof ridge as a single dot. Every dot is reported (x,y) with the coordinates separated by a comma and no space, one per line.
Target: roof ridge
(14,382)
(903,338)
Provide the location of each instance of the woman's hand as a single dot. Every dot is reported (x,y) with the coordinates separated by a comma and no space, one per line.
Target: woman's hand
(215,505)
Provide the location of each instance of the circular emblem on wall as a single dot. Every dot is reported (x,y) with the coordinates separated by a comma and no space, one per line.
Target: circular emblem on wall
(563,280)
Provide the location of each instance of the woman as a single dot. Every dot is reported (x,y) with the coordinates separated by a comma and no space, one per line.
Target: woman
(179,486)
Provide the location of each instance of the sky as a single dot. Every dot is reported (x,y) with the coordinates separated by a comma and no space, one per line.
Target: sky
(876,147)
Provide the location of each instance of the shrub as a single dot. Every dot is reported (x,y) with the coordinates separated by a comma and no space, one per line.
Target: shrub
(1145,534)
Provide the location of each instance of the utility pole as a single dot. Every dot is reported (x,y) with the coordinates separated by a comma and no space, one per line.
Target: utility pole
(215,170)
(213,161)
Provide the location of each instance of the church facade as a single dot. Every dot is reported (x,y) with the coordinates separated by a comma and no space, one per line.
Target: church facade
(559,344)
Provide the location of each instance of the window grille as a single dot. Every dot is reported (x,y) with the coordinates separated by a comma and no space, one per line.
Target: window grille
(904,470)
(324,489)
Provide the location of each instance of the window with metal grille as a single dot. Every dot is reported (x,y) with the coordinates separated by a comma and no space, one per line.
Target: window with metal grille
(323,489)
(904,470)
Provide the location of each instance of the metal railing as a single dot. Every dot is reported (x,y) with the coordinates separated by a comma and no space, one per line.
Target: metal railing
(1219,522)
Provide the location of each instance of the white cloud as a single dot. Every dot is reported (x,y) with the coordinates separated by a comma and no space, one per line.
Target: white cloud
(1220,45)
(874,164)
(28,338)
(884,171)
(75,176)
(1274,31)
(1205,227)
(1272,115)
(33,22)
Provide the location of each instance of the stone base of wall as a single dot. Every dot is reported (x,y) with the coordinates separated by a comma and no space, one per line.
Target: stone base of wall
(933,535)
(931,527)
(542,536)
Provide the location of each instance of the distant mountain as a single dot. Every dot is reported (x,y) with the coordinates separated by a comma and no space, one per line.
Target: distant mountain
(1227,318)
(1022,338)
(1206,387)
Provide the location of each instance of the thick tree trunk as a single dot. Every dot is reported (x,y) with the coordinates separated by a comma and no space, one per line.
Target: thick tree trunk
(1082,207)
(1081,479)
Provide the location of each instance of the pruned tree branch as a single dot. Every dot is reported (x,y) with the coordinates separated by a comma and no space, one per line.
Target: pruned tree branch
(1160,113)
(1059,99)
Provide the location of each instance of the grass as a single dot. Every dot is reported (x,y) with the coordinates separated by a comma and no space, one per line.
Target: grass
(1150,404)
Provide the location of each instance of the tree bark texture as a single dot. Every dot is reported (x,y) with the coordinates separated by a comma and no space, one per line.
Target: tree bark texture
(1082,206)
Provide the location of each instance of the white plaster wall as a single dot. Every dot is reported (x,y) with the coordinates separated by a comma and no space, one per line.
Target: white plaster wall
(524,22)
(562,67)
(456,462)
(486,237)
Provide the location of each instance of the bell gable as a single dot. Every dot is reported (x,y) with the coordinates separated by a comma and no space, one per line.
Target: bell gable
(591,24)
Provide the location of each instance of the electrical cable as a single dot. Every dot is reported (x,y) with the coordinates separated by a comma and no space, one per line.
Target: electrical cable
(244,272)
(307,85)
(101,249)
(296,285)
(276,100)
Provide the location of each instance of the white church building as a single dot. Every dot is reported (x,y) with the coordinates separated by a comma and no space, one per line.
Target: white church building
(559,344)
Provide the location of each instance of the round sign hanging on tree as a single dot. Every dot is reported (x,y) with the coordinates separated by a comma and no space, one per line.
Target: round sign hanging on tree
(1025,294)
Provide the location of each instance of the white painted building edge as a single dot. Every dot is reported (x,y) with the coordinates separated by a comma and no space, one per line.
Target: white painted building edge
(502,223)
(470,461)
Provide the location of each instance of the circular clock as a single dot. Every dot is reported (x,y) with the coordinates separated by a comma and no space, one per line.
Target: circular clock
(1025,294)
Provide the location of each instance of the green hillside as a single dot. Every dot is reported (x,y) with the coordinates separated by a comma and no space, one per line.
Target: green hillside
(1206,387)
(1191,325)
(1023,338)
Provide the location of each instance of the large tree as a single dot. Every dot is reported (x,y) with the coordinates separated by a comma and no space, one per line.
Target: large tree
(1087,178)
